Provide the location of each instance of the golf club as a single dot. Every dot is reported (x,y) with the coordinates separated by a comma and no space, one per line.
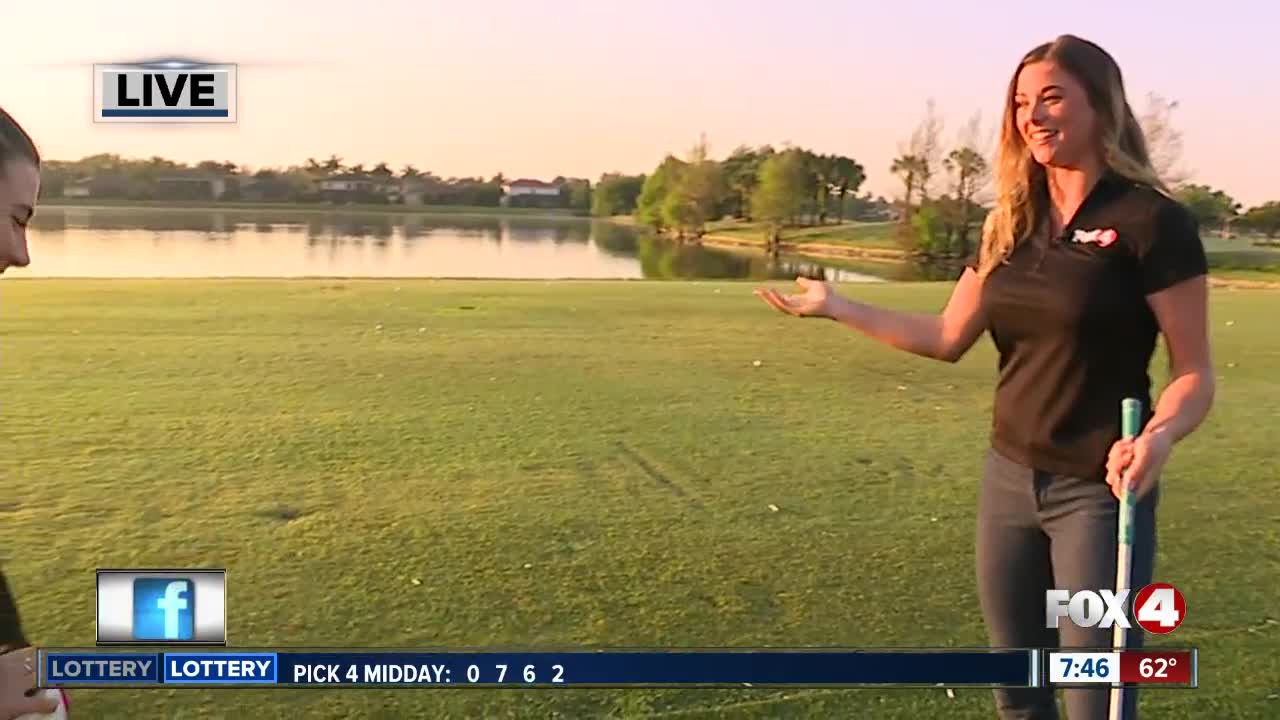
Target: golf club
(1130,422)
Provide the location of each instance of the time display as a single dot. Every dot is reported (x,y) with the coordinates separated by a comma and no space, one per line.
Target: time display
(1069,668)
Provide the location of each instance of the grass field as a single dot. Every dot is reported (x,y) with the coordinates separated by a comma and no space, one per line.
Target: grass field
(429,463)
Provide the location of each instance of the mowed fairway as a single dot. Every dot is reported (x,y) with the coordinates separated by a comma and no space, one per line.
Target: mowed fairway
(420,463)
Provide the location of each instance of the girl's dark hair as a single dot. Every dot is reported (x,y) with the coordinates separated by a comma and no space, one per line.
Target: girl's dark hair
(15,143)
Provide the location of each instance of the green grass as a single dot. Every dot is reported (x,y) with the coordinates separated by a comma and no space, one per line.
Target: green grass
(565,464)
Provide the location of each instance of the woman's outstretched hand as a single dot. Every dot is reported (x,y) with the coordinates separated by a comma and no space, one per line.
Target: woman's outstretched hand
(817,300)
(17,678)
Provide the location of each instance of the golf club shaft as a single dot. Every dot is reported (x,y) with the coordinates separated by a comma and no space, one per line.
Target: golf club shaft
(1130,425)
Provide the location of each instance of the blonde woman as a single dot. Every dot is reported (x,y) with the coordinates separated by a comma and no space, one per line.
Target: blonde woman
(1084,261)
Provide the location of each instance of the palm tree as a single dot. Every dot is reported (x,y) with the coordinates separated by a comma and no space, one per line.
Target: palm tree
(912,169)
(969,166)
(848,176)
(740,173)
(823,169)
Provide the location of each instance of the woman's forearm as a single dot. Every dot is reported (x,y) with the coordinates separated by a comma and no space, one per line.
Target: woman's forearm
(1184,404)
(914,333)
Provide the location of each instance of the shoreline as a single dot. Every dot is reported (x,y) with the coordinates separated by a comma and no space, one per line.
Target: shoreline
(817,251)
(1218,278)
(813,249)
(317,208)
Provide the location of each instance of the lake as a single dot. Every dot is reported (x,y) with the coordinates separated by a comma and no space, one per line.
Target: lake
(184,243)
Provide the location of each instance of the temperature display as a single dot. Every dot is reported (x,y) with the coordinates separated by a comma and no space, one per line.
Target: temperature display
(1172,667)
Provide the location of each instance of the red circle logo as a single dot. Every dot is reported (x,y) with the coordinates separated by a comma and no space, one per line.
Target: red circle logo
(1159,608)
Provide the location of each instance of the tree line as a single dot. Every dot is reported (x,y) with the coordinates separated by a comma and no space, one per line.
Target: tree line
(775,187)
(944,192)
(112,176)
(793,187)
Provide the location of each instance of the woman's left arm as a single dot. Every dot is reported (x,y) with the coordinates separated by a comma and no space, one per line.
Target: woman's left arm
(1182,313)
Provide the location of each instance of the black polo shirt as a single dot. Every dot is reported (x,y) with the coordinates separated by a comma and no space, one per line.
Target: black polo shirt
(1070,319)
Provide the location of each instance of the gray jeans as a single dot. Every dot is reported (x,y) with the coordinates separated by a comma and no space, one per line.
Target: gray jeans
(1038,531)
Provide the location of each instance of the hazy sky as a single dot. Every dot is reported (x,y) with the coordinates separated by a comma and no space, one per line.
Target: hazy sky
(578,87)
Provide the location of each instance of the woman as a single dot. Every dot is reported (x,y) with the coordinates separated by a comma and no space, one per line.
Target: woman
(1083,261)
(19,186)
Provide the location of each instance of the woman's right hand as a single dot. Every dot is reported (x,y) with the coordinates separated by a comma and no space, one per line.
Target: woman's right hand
(817,300)
(17,676)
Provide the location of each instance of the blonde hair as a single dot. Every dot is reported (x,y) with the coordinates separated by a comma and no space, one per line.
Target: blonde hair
(1022,191)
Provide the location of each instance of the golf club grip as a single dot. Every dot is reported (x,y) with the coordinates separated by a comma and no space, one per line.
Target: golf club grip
(1130,418)
(1130,426)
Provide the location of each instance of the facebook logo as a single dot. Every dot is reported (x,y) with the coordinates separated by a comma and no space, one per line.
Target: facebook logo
(178,606)
(163,609)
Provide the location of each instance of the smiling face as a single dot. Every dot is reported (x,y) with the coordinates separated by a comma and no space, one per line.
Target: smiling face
(1054,117)
(19,187)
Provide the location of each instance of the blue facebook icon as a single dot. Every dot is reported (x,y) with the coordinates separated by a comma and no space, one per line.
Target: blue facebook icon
(163,609)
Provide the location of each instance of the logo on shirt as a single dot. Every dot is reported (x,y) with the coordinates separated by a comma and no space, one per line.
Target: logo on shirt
(1101,237)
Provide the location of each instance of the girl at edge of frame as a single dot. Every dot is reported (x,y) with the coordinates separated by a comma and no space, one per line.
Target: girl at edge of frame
(1085,259)
(19,188)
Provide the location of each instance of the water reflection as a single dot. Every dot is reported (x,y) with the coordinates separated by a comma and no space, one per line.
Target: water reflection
(661,259)
(152,242)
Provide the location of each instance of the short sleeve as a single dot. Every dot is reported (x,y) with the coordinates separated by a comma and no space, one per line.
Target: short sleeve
(1174,252)
(973,259)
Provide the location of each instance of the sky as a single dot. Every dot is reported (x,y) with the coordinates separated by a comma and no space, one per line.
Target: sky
(577,88)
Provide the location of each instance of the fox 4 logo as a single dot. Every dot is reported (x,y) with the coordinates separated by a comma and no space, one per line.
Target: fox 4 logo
(1158,608)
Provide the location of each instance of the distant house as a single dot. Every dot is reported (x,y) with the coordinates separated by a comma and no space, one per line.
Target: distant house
(362,188)
(268,187)
(413,191)
(106,185)
(531,193)
(388,186)
(865,209)
(192,186)
(884,214)
(347,183)
(524,186)
(78,188)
